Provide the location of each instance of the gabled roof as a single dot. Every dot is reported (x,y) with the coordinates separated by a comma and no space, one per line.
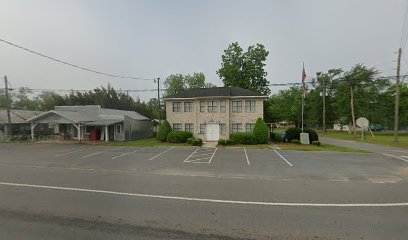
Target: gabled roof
(215,92)
(17,116)
(131,114)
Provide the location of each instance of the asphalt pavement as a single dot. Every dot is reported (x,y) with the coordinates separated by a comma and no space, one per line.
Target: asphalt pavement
(57,191)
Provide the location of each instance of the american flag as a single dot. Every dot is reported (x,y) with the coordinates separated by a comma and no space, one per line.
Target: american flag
(303,80)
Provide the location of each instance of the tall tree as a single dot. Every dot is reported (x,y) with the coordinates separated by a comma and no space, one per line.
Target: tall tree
(286,105)
(245,69)
(176,83)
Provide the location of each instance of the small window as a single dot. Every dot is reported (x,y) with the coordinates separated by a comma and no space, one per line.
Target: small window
(202,106)
(236,127)
(250,106)
(249,127)
(189,127)
(223,129)
(212,106)
(222,106)
(177,126)
(188,106)
(118,128)
(176,106)
(236,106)
(202,128)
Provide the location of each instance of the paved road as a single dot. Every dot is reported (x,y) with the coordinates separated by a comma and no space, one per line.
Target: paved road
(93,192)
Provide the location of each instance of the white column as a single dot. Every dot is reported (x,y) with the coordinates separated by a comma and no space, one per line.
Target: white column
(106,134)
(33,125)
(79,132)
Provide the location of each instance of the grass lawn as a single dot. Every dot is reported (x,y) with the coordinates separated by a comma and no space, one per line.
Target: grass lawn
(322,147)
(379,138)
(148,142)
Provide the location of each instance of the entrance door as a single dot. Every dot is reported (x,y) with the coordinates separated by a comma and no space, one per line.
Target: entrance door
(213,131)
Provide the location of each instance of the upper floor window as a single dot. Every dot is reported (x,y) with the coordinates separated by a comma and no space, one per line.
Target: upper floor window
(176,106)
(202,106)
(223,129)
(212,106)
(177,126)
(236,106)
(222,106)
(249,127)
(188,106)
(250,106)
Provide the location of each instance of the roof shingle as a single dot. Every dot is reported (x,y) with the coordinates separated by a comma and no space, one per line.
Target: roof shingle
(215,92)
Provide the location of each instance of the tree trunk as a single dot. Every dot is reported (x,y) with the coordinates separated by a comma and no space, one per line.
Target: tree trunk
(352,112)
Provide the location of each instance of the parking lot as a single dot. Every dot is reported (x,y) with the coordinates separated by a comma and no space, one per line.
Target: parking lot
(206,190)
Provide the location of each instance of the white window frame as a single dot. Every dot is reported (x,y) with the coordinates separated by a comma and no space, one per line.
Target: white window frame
(212,106)
(250,105)
(190,129)
(236,106)
(202,128)
(223,129)
(118,126)
(238,129)
(202,106)
(223,106)
(251,129)
(190,107)
(177,106)
(178,124)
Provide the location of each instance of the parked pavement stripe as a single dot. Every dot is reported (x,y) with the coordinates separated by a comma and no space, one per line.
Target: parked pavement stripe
(161,153)
(290,164)
(93,154)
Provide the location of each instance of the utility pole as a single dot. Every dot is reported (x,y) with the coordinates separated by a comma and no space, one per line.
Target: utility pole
(324,104)
(352,111)
(397,93)
(8,132)
(158,98)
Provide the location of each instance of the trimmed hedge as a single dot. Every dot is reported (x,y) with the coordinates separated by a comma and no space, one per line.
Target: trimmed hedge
(317,143)
(189,140)
(295,141)
(229,142)
(312,134)
(197,142)
(163,131)
(292,133)
(278,137)
(243,138)
(179,136)
(221,141)
(261,131)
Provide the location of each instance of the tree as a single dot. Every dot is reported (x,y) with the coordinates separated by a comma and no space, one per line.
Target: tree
(163,131)
(177,83)
(22,101)
(286,105)
(245,69)
(261,131)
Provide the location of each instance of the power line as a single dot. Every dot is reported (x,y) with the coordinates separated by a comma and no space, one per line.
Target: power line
(71,64)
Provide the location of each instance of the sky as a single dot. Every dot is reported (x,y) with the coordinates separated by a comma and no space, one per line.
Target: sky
(156,38)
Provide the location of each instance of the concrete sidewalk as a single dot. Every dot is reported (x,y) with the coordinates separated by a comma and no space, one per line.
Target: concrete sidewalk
(365,146)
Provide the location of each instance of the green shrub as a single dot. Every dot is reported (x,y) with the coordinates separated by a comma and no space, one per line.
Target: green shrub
(261,131)
(295,141)
(221,141)
(197,142)
(312,134)
(243,138)
(278,137)
(178,136)
(229,142)
(317,143)
(163,131)
(189,140)
(292,133)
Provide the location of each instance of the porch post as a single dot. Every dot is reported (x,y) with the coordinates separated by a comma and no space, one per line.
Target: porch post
(106,134)
(33,125)
(79,132)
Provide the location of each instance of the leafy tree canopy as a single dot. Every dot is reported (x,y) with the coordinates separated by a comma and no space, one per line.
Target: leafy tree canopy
(177,83)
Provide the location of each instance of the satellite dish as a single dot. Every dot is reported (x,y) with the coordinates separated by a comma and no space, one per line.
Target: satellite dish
(363,122)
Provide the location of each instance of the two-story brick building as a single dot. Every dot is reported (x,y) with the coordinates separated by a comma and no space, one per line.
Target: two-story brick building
(214,113)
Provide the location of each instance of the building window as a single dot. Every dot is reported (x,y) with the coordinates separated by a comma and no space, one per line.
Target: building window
(188,106)
(222,106)
(223,129)
(212,106)
(177,127)
(249,127)
(202,128)
(176,106)
(202,106)
(189,127)
(236,106)
(250,106)
(118,128)
(236,127)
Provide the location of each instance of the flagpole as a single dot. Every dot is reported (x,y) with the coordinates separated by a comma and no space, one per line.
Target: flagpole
(303,92)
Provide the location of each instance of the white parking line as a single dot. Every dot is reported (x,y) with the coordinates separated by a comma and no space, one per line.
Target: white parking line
(92,154)
(192,154)
(279,204)
(202,154)
(161,153)
(400,158)
(66,153)
(246,155)
(213,155)
(124,154)
(290,164)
